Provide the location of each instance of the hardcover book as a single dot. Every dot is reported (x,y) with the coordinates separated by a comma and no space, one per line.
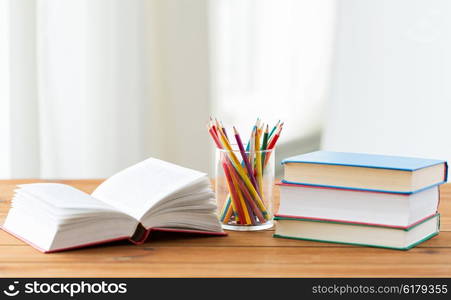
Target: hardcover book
(151,195)
(358,234)
(369,207)
(360,171)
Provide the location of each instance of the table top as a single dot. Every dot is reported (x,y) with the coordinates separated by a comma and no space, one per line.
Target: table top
(240,254)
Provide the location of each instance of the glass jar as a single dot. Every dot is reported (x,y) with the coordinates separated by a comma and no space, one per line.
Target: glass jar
(245,191)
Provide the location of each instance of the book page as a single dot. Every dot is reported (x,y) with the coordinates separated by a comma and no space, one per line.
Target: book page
(63,196)
(138,188)
(54,216)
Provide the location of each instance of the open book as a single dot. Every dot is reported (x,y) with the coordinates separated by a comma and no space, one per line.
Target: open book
(151,195)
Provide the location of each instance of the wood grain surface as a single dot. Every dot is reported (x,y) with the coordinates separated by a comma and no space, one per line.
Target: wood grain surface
(240,254)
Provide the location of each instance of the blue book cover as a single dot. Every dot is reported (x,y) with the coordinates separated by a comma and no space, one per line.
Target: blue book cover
(401,163)
(364,160)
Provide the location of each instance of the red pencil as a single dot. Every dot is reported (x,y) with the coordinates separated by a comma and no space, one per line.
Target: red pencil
(272,143)
(213,126)
(235,197)
(215,137)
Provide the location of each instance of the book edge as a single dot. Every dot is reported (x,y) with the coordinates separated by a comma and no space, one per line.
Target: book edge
(294,159)
(325,220)
(62,249)
(111,240)
(285,182)
(358,165)
(341,222)
(360,244)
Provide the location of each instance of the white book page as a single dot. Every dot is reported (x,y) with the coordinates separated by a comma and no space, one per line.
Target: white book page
(138,188)
(63,196)
(53,216)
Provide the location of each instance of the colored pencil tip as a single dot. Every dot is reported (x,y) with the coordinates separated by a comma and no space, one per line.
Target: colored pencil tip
(235,131)
(267,129)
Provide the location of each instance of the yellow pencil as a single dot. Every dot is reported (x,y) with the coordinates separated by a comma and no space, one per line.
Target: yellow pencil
(252,149)
(258,165)
(260,130)
(247,218)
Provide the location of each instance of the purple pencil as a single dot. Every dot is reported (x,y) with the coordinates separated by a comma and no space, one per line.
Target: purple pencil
(245,159)
(223,129)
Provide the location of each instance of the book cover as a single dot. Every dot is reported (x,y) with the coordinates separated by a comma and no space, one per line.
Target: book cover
(370,161)
(361,224)
(337,219)
(364,160)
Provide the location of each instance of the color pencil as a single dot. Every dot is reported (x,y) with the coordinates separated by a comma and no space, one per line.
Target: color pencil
(272,143)
(264,144)
(254,211)
(212,125)
(245,204)
(215,137)
(225,209)
(228,214)
(223,129)
(218,127)
(252,148)
(233,193)
(251,202)
(246,209)
(258,165)
(247,214)
(273,129)
(243,176)
(245,158)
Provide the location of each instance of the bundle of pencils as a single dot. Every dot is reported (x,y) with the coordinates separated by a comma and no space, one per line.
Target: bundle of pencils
(245,204)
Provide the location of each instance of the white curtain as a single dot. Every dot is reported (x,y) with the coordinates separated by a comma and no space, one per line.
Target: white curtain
(272,59)
(96,85)
(4,89)
(391,80)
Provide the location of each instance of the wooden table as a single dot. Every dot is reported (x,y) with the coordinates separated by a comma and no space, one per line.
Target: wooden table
(239,254)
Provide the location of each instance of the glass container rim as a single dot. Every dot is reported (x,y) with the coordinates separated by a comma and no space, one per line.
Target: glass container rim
(236,150)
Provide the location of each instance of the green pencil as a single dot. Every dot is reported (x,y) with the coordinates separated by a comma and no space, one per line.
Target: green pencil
(264,145)
(274,129)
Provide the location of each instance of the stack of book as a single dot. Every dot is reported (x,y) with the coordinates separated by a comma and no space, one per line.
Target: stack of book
(360,199)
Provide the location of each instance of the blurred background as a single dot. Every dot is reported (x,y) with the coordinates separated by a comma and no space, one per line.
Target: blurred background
(88,87)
